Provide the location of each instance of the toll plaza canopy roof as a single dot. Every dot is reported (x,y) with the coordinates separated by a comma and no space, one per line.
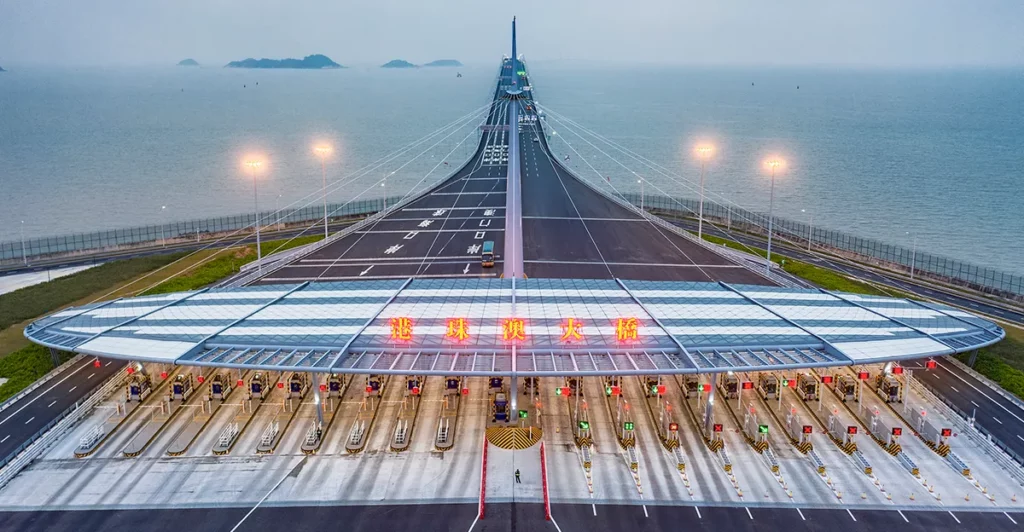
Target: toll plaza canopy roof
(521,326)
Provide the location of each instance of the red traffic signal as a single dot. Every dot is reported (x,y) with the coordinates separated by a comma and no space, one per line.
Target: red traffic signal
(616,390)
(661,389)
(851,430)
(808,429)
(947,433)
(96,363)
(415,390)
(706,387)
(791,383)
(465,391)
(930,364)
(747,385)
(163,374)
(565,391)
(369,389)
(240,383)
(827,379)
(673,427)
(897,431)
(131,370)
(323,387)
(717,427)
(863,375)
(280,385)
(897,370)
(200,379)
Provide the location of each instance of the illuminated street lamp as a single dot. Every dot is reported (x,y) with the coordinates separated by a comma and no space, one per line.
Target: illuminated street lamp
(773,164)
(703,152)
(323,151)
(163,240)
(810,227)
(641,181)
(253,166)
(24,256)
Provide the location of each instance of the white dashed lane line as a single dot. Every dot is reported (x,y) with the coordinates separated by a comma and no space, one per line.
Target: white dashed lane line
(51,404)
(5,438)
(30,420)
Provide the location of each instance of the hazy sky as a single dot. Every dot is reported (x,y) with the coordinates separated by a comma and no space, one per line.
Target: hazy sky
(849,32)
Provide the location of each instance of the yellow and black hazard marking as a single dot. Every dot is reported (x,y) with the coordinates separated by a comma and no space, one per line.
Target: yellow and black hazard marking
(514,438)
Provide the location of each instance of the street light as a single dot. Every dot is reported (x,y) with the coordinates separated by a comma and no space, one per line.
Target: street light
(703,152)
(24,255)
(641,181)
(913,257)
(163,239)
(255,165)
(773,164)
(810,227)
(323,151)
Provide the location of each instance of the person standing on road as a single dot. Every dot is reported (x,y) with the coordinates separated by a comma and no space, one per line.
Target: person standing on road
(517,477)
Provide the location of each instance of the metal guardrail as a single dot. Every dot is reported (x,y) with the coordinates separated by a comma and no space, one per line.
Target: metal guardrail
(55,429)
(41,381)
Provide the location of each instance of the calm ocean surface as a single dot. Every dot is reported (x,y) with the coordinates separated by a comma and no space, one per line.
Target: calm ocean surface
(875,153)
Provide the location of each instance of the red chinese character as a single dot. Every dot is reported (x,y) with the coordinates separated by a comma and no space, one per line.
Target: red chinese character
(626,329)
(572,330)
(401,329)
(513,329)
(458,329)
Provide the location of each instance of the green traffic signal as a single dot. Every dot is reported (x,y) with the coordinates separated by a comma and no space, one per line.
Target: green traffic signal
(608,390)
(558,391)
(523,414)
(628,425)
(763,429)
(584,425)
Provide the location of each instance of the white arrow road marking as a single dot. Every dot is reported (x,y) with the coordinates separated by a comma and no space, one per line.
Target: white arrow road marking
(364,272)
(466,269)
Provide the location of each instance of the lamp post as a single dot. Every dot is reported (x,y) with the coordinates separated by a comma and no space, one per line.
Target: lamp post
(277,210)
(913,257)
(641,181)
(773,164)
(323,151)
(163,239)
(24,255)
(703,152)
(810,227)
(253,166)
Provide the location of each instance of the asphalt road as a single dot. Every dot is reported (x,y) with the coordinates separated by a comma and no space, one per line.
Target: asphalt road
(509,517)
(31,413)
(570,230)
(999,416)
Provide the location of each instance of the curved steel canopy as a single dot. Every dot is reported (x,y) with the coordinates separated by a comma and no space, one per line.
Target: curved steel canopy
(469,326)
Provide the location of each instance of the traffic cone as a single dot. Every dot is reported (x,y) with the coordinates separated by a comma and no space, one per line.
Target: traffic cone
(967,497)
(1014,497)
(911,495)
(863,495)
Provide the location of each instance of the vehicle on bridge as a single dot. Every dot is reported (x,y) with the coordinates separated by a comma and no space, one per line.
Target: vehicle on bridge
(487,254)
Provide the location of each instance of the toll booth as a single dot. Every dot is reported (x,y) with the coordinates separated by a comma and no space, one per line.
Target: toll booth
(500,408)
(335,385)
(412,386)
(219,387)
(139,387)
(531,386)
(298,384)
(768,386)
(888,388)
(807,387)
(452,385)
(181,387)
(846,388)
(612,382)
(259,386)
(495,383)
(691,385)
(731,385)
(651,383)
(374,385)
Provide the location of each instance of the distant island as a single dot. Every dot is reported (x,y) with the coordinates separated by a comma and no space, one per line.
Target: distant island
(188,62)
(444,63)
(398,63)
(316,61)
(2,69)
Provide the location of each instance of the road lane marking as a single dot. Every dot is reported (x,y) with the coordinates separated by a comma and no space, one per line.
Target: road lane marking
(364,272)
(30,420)
(751,516)
(903,516)
(91,375)
(1020,438)
(975,404)
(851,515)
(108,363)
(802,518)
(5,438)
(51,404)
(1004,513)
(983,394)
(997,420)
(954,389)
(954,518)
(85,365)
(72,389)
(698,512)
